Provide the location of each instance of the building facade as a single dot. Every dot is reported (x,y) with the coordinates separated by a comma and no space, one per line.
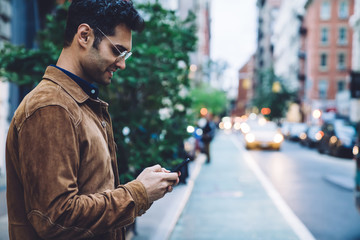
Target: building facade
(199,71)
(245,93)
(267,11)
(201,57)
(287,43)
(355,68)
(328,54)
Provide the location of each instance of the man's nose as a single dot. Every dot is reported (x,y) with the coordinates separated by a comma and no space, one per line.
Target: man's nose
(121,64)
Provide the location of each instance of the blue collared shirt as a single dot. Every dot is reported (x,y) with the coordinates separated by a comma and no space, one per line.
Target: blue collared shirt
(88,88)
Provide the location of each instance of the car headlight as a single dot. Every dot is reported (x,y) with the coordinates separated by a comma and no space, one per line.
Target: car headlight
(237,126)
(250,137)
(355,150)
(227,125)
(303,136)
(333,139)
(245,128)
(278,138)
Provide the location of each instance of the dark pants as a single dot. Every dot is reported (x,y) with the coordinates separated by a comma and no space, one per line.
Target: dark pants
(207,151)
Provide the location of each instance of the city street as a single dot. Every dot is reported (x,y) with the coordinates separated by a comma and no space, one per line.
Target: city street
(318,188)
(237,91)
(308,196)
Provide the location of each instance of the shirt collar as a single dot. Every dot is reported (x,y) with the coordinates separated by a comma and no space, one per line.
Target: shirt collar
(88,88)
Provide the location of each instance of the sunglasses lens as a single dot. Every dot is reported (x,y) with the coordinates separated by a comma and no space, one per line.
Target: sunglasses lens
(128,54)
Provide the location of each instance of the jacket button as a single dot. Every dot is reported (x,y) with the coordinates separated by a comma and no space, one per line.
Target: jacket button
(103,123)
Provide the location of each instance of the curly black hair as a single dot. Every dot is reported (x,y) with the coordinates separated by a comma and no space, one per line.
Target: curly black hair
(102,14)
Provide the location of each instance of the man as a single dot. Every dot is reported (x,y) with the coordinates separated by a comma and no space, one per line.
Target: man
(62,177)
(208,127)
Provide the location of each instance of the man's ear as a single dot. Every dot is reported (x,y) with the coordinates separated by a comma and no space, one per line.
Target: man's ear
(84,35)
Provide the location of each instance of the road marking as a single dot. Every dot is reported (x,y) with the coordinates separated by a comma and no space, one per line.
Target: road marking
(295,223)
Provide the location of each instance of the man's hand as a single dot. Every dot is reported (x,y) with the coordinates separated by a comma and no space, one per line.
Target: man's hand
(157,181)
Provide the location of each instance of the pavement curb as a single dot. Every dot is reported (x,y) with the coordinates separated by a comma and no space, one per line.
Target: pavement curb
(167,211)
(341,181)
(190,185)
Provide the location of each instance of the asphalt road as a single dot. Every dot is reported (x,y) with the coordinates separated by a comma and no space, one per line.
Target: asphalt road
(318,188)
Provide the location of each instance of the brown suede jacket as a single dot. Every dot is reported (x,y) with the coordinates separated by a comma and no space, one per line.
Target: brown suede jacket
(62,177)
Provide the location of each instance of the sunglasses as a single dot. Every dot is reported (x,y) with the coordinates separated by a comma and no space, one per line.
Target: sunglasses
(123,55)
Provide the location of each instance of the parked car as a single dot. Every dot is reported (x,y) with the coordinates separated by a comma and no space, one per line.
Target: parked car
(312,136)
(338,138)
(264,135)
(285,129)
(295,131)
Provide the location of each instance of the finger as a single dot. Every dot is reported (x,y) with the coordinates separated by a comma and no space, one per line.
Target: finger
(165,170)
(155,168)
(169,188)
(177,182)
(171,176)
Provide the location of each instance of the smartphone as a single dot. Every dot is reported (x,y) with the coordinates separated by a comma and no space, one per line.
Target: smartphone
(183,163)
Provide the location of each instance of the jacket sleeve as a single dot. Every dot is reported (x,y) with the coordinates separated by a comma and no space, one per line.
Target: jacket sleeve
(49,160)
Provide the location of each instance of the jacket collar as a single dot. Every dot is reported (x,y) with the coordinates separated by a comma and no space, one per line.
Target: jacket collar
(70,86)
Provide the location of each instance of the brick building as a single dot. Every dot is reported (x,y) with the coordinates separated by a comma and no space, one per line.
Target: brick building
(245,91)
(328,54)
(355,71)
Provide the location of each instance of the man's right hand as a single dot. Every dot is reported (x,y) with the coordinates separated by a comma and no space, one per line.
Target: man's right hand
(157,181)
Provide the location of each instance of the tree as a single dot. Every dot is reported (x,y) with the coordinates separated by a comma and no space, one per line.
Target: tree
(272,93)
(148,101)
(213,99)
(151,97)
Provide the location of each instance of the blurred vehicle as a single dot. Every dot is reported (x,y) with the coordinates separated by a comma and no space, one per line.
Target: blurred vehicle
(312,136)
(225,123)
(263,135)
(338,139)
(356,157)
(295,131)
(285,129)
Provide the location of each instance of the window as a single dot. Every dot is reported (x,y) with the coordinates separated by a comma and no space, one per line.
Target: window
(340,85)
(323,60)
(342,37)
(343,9)
(324,35)
(341,61)
(325,10)
(323,88)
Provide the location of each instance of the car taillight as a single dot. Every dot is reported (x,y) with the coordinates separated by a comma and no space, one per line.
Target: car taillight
(319,135)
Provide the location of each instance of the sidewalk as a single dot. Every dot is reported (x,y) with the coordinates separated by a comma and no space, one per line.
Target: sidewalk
(159,221)
(230,198)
